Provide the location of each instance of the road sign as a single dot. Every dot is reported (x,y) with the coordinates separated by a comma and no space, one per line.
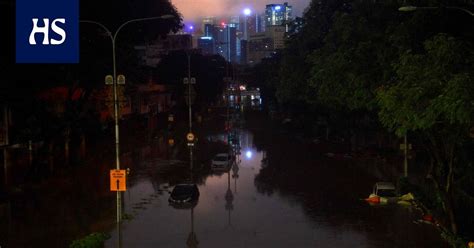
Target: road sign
(118,180)
(186,80)
(109,80)
(190,137)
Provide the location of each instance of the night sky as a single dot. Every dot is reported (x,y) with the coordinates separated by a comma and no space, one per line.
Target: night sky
(194,9)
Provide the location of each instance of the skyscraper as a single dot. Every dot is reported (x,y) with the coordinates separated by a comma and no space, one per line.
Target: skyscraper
(259,19)
(209,30)
(226,44)
(208,20)
(277,14)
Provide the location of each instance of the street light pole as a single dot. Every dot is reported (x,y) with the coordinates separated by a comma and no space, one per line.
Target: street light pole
(189,94)
(189,82)
(113,39)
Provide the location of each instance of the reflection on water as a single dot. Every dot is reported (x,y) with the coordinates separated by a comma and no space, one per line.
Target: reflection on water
(192,240)
(279,196)
(278,193)
(6,163)
(50,204)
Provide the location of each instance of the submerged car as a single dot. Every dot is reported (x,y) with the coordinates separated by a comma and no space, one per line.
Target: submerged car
(384,189)
(383,192)
(222,161)
(184,195)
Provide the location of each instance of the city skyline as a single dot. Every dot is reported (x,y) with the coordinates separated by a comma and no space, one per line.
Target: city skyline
(193,10)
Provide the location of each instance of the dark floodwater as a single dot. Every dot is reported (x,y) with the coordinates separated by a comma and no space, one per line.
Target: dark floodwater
(294,199)
(283,194)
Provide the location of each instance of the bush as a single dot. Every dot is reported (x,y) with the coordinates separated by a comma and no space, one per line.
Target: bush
(93,240)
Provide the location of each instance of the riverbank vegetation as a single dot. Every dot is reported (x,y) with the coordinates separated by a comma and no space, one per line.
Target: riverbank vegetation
(365,67)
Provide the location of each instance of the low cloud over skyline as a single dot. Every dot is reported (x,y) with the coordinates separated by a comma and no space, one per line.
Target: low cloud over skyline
(194,9)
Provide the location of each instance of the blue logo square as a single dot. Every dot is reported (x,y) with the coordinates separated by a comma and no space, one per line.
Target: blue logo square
(47,31)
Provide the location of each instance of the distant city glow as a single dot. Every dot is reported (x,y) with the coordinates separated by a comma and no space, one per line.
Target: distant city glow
(248,154)
(247,11)
(193,9)
(189,27)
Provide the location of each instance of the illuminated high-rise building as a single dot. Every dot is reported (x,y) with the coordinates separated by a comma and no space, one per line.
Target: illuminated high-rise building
(259,23)
(208,20)
(226,44)
(209,30)
(277,14)
(235,20)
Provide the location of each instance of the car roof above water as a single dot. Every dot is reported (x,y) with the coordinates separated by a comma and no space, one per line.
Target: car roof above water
(185,185)
(222,154)
(385,185)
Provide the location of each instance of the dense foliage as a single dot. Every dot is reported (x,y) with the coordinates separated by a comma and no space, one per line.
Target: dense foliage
(410,72)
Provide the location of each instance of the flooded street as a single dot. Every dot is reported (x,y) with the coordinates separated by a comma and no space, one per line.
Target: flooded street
(280,193)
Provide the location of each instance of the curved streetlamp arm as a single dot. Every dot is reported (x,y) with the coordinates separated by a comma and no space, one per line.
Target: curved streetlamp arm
(112,39)
(462,9)
(100,25)
(413,8)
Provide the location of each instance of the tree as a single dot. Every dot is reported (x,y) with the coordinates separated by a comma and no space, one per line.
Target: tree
(433,96)
(294,70)
(174,67)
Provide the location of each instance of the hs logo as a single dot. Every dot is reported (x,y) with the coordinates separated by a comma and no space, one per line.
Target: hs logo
(47,31)
(44,29)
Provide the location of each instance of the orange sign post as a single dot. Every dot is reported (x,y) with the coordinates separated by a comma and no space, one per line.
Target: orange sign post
(118,180)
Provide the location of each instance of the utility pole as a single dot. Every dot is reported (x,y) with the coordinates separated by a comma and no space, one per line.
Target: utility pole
(405,167)
(6,123)
(189,93)
(6,118)
(189,81)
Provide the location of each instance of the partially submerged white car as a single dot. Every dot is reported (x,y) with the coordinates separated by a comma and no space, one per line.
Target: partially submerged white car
(222,161)
(383,192)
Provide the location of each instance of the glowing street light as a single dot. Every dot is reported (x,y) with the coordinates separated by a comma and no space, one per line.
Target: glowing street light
(247,11)
(248,154)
